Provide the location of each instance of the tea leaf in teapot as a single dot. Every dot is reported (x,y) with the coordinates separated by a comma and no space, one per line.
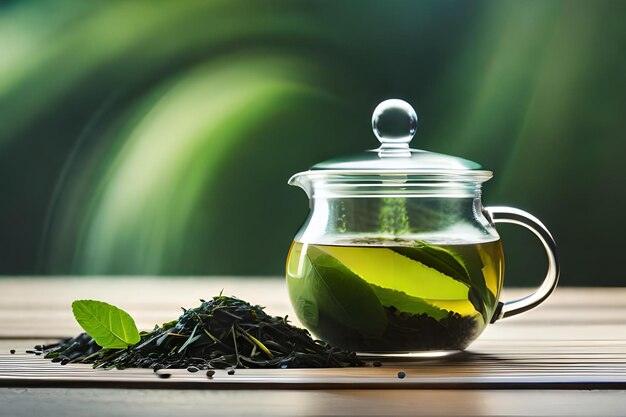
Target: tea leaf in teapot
(452,265)
(437,258)
(406,303)
(381,266)
(480,279)
(303,299)
(343,295)
(425,308)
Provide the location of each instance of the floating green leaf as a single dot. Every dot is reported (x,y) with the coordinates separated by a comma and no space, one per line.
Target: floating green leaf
(109,326)
(452,265)
(406,303)
(437,258)
(345,296)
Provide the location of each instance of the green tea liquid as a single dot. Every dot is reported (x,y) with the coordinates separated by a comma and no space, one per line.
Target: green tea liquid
(396,297)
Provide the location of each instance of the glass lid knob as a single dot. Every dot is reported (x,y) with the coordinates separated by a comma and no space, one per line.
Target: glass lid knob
(394,123)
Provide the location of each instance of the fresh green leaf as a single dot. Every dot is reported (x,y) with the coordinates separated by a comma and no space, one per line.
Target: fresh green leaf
(109,326)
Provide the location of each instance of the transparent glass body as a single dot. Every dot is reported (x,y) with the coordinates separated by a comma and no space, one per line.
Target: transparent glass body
(392,273)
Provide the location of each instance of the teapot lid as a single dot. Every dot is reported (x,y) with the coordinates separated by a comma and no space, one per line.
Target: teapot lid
(394,123)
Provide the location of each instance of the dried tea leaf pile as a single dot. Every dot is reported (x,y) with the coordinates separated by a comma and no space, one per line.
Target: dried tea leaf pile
(222,333)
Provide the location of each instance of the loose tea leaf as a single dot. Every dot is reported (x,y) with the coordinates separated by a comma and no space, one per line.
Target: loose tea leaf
(222,333)
(410,332)
(109,326)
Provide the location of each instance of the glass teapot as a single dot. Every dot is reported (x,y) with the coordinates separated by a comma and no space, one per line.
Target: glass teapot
(398,256)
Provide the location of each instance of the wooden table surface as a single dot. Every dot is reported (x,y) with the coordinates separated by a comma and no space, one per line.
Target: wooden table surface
(568,357)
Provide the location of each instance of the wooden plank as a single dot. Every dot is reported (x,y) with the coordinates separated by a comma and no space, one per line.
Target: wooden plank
(19,402)
(577,339)
(466,373)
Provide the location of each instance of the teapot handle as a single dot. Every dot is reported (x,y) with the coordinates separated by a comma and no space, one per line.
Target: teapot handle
(512,215)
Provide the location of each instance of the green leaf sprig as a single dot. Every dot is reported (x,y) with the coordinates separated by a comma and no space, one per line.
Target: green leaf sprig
(109,326)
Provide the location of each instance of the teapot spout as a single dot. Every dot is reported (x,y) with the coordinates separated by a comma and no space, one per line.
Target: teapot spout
(303,181)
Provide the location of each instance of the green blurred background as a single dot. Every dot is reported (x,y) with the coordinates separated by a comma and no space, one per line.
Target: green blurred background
(157,137)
